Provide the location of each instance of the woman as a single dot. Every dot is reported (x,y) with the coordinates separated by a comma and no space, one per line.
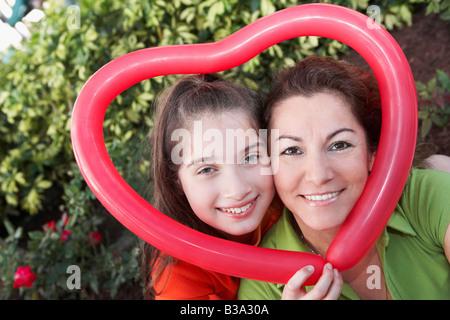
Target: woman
(328,118)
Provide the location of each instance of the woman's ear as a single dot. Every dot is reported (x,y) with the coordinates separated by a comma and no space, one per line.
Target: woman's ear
(372,156)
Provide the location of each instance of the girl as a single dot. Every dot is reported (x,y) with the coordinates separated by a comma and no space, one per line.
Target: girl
(210,173)
(329,120)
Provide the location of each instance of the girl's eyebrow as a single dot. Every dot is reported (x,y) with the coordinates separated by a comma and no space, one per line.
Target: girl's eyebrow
(256,144)
(201,160)
(211,159)
(329,137)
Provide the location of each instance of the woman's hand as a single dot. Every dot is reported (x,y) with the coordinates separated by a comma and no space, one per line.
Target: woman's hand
(328,287)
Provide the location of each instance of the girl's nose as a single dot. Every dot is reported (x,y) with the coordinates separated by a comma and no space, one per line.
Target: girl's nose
(234,185)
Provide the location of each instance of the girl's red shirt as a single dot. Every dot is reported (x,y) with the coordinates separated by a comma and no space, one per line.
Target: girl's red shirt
(184,281)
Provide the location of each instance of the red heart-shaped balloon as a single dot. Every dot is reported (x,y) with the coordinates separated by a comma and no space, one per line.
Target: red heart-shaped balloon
(372,211)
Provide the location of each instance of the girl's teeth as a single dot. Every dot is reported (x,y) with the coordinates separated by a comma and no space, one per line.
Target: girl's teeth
(321,197)
(238,210)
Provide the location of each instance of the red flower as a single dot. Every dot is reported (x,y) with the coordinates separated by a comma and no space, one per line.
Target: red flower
(65,234)
(94,238)
(65,216)
(24,277)
(50,226)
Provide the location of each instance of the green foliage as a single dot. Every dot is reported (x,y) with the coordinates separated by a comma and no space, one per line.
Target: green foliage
(41,82)
(38,88)
(441,7)
(434,102)
(50,251)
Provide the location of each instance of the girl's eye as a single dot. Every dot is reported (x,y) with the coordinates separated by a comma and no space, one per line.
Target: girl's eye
(340,145)
(205,170)
(252,158)
(292,151)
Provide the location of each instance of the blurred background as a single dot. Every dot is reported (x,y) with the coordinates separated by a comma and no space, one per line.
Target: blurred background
(49,219)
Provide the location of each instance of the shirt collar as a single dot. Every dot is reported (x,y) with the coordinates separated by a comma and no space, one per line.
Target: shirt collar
(256,238)
(286,239)
(398,222)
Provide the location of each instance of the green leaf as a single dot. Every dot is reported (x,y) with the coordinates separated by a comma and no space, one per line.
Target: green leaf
(426,127)
(35,235)
(18,233)
(267,7)
(445,16)
(423,114)
(431,85)
(420,86)
(93,283)
(9,227)
(438,120)
(444,80)
(44,184)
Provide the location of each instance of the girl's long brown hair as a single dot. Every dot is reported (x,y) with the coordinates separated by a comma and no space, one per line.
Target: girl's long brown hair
(187,100)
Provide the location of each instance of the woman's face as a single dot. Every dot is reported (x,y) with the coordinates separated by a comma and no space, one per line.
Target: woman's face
(226,176)
(322,159)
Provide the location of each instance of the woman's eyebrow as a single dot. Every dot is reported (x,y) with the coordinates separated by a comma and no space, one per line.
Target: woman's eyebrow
(331,135)
(289,137)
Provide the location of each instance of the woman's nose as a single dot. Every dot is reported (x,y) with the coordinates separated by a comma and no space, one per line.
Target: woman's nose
(317,169)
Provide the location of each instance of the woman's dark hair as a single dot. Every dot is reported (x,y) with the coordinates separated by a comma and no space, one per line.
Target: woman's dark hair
(358,87)
(317,74)
(189,99)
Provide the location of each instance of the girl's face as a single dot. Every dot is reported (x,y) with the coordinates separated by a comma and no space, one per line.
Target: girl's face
(322,158)
(225,173)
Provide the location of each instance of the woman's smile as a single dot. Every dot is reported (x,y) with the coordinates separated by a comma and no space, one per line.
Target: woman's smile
(321,199)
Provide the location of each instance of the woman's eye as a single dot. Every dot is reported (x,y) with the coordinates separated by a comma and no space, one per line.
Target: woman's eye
(292,151)
(340,145)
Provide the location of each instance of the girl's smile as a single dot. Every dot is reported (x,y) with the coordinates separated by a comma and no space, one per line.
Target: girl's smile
(238,210)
